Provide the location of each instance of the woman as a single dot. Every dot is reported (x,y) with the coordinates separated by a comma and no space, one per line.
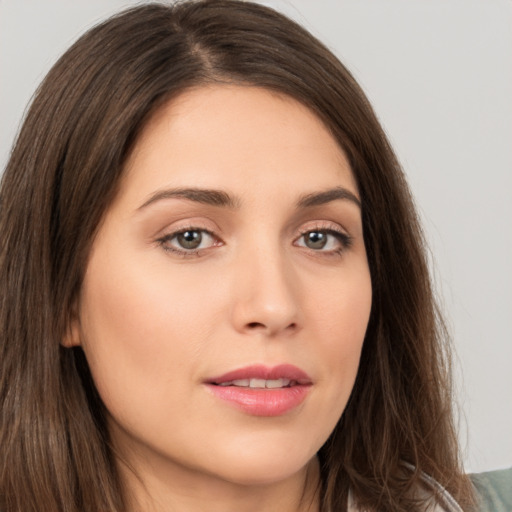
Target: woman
(214,287)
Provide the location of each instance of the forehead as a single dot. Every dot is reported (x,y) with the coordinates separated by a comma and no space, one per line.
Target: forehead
(238,137)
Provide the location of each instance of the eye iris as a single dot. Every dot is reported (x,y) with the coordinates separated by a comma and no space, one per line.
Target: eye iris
(315,240)
(190,239)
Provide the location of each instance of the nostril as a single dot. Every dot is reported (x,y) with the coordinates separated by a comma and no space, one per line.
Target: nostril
(255,325)
(260,325)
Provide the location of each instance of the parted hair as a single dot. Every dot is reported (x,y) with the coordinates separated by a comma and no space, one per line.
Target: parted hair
(63,173)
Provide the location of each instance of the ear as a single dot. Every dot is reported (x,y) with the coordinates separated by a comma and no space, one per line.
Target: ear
(72,336)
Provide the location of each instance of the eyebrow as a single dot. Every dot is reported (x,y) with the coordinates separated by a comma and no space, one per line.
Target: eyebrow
(220,198)
(333,194)
(198,195)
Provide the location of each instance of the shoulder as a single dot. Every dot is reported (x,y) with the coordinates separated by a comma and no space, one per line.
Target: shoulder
(433,497)
(438,499)
(493,493)
(494,490)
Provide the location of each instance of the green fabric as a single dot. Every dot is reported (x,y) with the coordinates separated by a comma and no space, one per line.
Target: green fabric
(494,490)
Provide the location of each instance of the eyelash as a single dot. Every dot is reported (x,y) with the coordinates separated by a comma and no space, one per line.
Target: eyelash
(344,240)
(164,242)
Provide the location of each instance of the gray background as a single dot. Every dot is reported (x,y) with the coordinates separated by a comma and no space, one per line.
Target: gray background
(439,74)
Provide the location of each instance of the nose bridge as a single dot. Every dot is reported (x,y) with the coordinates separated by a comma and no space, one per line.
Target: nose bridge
(266,296)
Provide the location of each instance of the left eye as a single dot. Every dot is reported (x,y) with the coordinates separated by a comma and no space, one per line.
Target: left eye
(189,240)
(323,240)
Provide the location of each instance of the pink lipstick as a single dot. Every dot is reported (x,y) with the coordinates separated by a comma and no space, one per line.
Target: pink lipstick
(262,391)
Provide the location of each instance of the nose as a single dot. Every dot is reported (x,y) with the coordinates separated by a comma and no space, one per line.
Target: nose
(266,294)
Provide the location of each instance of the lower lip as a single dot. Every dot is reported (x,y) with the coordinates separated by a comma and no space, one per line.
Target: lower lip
(262,402)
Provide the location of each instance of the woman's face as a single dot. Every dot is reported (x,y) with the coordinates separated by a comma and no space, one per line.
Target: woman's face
(227,293)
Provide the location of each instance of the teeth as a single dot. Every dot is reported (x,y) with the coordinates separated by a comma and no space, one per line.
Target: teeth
(277,383)
(258,383)
(243,383)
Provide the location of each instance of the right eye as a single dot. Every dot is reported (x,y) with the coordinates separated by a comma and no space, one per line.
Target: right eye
(188,241)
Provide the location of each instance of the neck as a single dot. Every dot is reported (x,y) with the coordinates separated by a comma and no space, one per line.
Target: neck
(154,490)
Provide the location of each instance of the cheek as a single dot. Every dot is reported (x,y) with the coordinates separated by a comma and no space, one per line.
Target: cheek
(139,325)
(140,305)
(341,307)
(341,315)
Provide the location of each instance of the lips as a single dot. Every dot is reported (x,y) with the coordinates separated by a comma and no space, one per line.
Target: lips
(262,391)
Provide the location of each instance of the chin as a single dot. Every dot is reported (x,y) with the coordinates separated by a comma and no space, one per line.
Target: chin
(262,468)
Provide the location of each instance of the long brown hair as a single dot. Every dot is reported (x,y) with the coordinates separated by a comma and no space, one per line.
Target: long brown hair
(63,173)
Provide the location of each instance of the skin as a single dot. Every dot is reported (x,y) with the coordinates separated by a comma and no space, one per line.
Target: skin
(156,320)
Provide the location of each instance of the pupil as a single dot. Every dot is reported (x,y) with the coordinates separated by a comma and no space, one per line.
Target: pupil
(190,239)
(316,240)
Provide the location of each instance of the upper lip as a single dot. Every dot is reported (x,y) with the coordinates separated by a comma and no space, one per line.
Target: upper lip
(282,371)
